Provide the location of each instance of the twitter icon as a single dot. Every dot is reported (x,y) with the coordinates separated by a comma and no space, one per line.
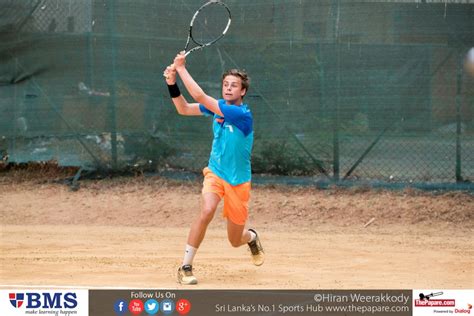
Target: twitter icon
(152,307)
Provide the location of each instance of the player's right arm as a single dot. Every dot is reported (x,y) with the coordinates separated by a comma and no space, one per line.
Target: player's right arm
(193,88)
(181,104)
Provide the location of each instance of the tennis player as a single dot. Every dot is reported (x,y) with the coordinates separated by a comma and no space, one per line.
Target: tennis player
(228,173)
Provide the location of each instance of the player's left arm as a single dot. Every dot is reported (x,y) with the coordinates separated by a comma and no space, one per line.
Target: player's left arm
(182,106)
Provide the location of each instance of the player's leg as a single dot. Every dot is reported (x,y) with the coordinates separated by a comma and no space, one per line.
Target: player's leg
(236,200)
(209,204)
(196,235)
(212,193)
(237,234)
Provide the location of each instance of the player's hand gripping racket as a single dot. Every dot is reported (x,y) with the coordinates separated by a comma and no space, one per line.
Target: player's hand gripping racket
(209,24)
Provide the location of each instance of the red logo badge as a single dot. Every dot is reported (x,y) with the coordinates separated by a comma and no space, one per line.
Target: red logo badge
(136,307)
(183,306)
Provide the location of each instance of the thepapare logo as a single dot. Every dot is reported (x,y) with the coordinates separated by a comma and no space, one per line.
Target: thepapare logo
(44,300)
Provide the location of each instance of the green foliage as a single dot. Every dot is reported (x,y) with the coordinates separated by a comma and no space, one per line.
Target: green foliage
(151,150)
(281,158)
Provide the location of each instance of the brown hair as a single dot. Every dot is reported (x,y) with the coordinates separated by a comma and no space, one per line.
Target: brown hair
(238,73)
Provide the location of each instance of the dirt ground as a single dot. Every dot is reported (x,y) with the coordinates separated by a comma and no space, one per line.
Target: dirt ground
(130,232)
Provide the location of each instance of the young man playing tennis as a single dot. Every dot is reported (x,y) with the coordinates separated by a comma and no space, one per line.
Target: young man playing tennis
(228,173)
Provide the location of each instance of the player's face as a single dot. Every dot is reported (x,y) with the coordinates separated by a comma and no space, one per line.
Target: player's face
(232,90)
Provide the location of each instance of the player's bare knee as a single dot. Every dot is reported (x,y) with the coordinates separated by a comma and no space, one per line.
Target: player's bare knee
(207,214)
(235,242)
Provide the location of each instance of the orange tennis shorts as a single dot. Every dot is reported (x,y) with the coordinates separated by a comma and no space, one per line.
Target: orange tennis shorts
(236,197)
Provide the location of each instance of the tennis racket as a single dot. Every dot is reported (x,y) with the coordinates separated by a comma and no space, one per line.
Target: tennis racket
(209,24)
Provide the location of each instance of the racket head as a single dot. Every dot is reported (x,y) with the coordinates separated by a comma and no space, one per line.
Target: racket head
(209,24)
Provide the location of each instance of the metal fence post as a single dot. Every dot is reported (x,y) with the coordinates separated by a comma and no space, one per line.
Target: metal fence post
(336,167)
(458,116)
(112,106)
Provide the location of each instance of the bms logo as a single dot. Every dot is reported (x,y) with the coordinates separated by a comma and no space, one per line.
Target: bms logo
(44,300)
(16,299)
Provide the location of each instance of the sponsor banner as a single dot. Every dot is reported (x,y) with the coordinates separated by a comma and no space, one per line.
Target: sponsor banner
(438,302)
(235,302)
(250,302)
(44,302)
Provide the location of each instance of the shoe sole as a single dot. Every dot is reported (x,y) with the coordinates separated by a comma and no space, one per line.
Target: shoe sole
(188,283)
(258,264)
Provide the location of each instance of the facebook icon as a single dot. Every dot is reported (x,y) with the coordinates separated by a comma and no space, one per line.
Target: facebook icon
(120,307)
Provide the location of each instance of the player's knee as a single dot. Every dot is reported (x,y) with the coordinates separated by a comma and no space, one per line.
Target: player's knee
(235,242)
(207,214)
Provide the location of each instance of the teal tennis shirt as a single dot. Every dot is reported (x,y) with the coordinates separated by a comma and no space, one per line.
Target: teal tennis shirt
(232,145)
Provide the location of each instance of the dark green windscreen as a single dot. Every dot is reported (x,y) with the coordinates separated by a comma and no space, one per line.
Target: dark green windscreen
(342,89)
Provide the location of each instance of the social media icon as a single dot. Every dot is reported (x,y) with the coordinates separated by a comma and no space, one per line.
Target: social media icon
(120,307)
(152,307)
(136,307)
(167,306)
(183,306)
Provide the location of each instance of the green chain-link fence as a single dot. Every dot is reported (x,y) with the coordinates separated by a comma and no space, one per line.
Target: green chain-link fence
(360,90)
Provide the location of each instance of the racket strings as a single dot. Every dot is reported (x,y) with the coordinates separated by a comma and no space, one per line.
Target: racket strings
(209,24)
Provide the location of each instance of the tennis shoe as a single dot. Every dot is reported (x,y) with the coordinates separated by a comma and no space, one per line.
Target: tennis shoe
(256,249)
(186,276)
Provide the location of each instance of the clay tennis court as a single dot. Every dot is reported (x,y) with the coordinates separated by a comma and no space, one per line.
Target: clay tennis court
(130,232)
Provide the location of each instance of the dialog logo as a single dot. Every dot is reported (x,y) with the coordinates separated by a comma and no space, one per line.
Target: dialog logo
(16,299)
(152,307)
(464,310)
(120,307)
(136,307)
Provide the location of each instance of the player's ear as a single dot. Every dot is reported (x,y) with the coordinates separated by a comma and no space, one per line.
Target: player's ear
(243,91)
